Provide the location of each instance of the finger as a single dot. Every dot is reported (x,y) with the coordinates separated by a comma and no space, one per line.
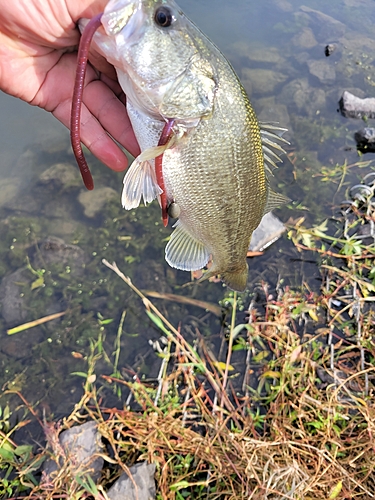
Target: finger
(94,137)
(111,114)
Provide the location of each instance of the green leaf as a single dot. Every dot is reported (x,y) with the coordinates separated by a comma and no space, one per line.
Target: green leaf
(260,356)
(37,283)
(180,485)
(158,322)
(23,450)
(335,491)
(80,374)
(7,455)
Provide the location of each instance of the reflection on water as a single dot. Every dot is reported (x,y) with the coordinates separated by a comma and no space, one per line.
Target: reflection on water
(277,47)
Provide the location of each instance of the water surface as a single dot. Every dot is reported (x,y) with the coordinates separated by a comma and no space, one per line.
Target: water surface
(277,48)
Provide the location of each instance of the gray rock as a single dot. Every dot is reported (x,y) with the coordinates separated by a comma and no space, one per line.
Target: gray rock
(77,448)
(13,307)
(263,81)
(330,49)
(325,27)
(323,70)
(55,251)
(142,476)
(61,175)
(256,52)
(352,106)
(305,39)
(94,201)
(270,111)
(20,346)
(365,139)
(269,230)
(9,189)
(283,5)
(307,99)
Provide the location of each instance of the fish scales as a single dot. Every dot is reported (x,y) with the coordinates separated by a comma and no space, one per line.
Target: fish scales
(213,165)
(217,177)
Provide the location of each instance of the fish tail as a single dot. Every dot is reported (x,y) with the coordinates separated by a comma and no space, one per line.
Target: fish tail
(236,280)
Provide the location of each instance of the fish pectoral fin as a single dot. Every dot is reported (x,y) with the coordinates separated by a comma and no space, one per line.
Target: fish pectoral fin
(275,200)
(139,181)
(185,252)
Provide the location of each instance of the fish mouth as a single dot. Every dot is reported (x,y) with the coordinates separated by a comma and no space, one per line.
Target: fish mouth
(119,14)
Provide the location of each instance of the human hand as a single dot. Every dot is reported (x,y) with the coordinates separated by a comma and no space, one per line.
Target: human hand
(38,50)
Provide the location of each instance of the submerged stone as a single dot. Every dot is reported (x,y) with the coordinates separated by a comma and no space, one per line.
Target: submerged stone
(306,98)
(61,174)
(325,27)
(262,81)
(323,70)
(94,201)
(305,39)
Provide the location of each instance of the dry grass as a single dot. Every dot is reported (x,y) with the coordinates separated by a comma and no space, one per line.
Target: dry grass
(306,431)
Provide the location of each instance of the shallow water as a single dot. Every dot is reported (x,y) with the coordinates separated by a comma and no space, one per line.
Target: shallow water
(278,51)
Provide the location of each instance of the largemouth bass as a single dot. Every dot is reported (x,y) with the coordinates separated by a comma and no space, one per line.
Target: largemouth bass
(203,152)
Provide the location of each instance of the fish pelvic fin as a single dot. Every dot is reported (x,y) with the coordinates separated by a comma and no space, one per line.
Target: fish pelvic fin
(185,252)
(139,181)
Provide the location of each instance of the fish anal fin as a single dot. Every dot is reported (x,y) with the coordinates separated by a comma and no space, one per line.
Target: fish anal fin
(185,252)
(275,200)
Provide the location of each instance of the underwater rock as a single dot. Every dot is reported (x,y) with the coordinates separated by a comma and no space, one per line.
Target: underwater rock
(9,189)
(17,347)
(256,52)
(262,81)
(61,175)
(13,308)
(305,39)
(352,106)
(94,201)
(325,27)
(365,139)
(150,274)
(306,98)
(55,251)
(283,5)
(142,475)
(269,230)
(323,70)
(278,114)
(78,448)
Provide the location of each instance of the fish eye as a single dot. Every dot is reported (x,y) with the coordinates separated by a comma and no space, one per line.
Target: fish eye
(163,17)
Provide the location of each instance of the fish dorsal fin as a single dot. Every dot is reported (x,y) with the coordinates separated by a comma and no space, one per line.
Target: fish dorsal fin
(185,252)
(139,181)
(271,135)
(275,200)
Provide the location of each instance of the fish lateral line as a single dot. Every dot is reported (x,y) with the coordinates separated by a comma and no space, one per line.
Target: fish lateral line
(165,137)
(75,117)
